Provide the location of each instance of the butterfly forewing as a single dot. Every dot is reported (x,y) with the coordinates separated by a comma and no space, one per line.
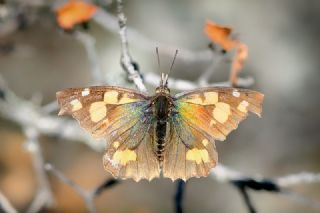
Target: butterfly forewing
(96,108)
(121,117)
(217,111)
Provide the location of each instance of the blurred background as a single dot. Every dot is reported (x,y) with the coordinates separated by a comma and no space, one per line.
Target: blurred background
(37,58)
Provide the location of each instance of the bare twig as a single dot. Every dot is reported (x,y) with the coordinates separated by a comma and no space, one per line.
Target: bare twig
(225,174)
(204,78)
(89,44)
(5,205)
(300,178)
(104,185)
(246,198)
(275,185)
(50,107)
(110,23)
(126,60)
(87,196)
(26,113)
(44,197)
(181,185)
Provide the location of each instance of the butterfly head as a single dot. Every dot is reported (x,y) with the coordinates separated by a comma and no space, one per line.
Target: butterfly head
(163,88)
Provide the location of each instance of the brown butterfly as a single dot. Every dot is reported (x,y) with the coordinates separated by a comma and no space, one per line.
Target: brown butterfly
(161,134)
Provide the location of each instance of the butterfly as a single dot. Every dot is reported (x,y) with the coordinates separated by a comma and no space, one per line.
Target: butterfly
(160,135)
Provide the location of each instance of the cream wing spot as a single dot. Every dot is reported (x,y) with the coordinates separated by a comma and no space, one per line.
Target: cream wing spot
(125,99)
(194,99)
(205,142)
(221,112)
(85,92)
(111,97)
(197,155)
(116,144)
(212,122)
(236,93)
(123,157)
(98,111)
(210,98)
(243,106)
(76,105)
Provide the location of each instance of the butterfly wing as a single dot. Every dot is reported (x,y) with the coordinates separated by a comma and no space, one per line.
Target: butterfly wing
(218,111)
(138,163)
(122,117)
(199,117)
(189,153)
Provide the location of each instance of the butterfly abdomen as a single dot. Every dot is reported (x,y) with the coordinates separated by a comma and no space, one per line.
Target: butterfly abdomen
(161,129)
(161,111)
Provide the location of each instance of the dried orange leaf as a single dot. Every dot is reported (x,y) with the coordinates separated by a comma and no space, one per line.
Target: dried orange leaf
(221,35)
(237,62)
(74,12)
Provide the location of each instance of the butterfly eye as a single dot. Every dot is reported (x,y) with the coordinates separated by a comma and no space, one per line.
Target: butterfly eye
(162,89)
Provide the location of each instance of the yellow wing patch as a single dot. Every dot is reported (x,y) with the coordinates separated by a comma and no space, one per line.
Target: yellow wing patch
(198,155)
(76,105)
(221,112)
(113,97)
(98,111)
(205,142)
(116,144)
(123,157)
(208,98)
(126,99)
(243,106)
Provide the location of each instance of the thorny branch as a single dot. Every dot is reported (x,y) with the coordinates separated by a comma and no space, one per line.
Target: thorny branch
(36,120)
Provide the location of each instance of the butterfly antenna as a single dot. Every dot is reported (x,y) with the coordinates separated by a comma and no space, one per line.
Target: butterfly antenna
(158,57)
(174,59)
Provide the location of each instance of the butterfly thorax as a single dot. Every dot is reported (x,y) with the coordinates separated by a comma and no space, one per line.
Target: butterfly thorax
(162,104)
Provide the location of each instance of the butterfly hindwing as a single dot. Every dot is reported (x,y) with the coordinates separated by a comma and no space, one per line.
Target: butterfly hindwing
(121,117)
(138,163)
(189,153)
